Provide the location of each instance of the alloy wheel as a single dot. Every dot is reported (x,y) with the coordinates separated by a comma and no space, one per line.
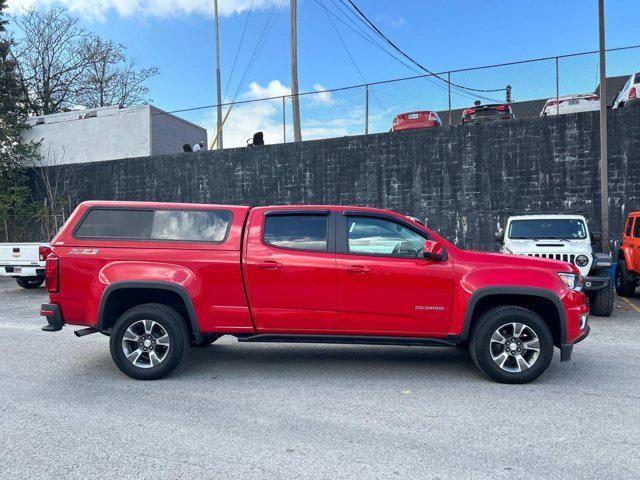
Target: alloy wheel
(145,343)
(514,347)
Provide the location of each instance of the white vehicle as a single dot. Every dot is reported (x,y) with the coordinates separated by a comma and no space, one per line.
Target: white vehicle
(25,262)
(586,102)
(629,96)
(565,238)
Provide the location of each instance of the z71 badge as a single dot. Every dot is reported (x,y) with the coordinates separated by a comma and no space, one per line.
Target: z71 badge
(84,251)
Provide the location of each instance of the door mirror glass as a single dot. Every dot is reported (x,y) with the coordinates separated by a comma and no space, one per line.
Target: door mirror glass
(434,250)
(596,237)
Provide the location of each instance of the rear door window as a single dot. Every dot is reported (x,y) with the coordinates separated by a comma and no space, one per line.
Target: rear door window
(296,232)
(636,229)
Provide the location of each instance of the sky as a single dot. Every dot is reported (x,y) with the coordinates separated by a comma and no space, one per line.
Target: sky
(178,37)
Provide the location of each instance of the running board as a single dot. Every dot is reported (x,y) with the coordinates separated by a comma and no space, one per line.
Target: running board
(349,339)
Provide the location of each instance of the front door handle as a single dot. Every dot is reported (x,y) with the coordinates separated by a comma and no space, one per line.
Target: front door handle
(269,265)
(356,269)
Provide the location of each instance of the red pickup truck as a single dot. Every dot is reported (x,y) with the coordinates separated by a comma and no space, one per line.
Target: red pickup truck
(159,277)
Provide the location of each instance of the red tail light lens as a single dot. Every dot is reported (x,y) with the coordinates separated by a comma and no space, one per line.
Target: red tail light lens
(52,274)
(469,111)
(43,253)
(433,117)
(632,92)
(502,108)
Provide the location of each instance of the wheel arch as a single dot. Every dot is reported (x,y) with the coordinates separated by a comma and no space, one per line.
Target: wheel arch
(121,296)
(539,300)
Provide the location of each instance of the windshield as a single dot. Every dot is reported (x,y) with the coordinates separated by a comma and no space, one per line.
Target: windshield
(565,229)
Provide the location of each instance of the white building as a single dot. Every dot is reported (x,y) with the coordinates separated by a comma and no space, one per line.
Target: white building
(111,133)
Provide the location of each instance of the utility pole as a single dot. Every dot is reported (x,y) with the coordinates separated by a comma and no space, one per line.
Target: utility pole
(295,101)
(604,165)
(219,129)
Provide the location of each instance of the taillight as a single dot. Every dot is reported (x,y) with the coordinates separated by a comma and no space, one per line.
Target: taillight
(52,273)
(502,108)
(43,253)
(469,111)
(433,117)
(592,98)
(395,120)
(632,92)
(551,103)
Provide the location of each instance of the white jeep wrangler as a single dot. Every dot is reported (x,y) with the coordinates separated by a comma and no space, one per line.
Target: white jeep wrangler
(565,238)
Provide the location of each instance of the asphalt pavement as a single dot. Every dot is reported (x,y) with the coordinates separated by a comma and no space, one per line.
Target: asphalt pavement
(269,411)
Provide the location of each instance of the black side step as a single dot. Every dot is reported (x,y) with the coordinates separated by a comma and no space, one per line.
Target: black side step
(85,331)
(349,339)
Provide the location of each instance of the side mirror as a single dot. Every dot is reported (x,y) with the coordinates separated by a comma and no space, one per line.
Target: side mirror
(500,236)
(434,251)
(596,237)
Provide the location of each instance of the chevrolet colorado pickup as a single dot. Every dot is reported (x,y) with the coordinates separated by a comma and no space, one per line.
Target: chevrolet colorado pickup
(160,277)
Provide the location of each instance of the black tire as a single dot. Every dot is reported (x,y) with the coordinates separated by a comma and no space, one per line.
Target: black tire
(625,286)
(207,340)
(480,346)
(169,320)
(601,302)
(30,282)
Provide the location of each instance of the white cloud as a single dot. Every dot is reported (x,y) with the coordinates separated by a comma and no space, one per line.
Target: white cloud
(400,22)
(322,95)
(273,89)
(97,9)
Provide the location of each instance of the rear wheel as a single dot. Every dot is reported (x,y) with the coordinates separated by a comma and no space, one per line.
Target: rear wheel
(30,282)
(625,285)
(601,302)
(511,344)
(148,341)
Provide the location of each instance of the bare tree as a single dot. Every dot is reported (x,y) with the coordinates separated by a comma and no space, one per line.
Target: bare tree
(111,78)
(61,65)
(50,59)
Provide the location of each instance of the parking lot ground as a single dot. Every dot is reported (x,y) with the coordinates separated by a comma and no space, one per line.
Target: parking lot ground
(314,411)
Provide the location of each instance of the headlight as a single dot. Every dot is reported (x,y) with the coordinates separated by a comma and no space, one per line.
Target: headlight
(582,260)
(571,280)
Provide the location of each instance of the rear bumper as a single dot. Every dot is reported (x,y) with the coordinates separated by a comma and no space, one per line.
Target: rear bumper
(53,315)
(25,271)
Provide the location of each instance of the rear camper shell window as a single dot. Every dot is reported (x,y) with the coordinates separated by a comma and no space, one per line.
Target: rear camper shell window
(158,225)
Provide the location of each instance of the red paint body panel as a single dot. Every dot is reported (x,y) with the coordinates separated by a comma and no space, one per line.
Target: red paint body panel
(243,285)
(630,247)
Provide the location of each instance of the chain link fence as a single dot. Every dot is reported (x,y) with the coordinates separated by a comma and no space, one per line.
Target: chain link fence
(370,108)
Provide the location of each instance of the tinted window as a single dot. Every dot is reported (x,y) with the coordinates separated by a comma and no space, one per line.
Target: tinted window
(125,224)
(636,229)
(629,226)
(196,226)
(299,232)
(637,78)
(375,236)
(549,228)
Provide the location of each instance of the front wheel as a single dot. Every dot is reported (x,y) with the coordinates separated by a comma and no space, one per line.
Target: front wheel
(511,344)
(30,282)
(148,341)
(625,286)
(601,302)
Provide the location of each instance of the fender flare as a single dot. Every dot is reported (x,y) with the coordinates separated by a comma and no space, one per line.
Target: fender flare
(129,285)
(625,253)
(507,290)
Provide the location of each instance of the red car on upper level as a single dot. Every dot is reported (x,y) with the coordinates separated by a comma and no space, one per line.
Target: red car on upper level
(159,277)
(416,121)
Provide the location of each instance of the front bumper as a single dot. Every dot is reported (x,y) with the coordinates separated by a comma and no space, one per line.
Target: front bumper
(567,349)
(54,317)
(591,283)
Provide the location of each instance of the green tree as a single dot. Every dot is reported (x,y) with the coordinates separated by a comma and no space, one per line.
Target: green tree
(16,208)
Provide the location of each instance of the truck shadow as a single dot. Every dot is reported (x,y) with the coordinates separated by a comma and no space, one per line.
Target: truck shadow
(229,359)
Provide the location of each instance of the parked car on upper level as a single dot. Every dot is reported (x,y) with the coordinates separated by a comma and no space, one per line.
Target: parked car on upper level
(566,238)
(584,102)
(487,113)
(416,120)
(628,268)
(628,96)
(158,277)
(25,262)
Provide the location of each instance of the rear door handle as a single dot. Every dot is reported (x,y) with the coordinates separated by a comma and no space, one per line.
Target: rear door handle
(269,265)
(356,269)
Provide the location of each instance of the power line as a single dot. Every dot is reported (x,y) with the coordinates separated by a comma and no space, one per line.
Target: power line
(422,67)
(235,59)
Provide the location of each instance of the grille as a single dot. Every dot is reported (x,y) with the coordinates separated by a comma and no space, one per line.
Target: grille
(564,257)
